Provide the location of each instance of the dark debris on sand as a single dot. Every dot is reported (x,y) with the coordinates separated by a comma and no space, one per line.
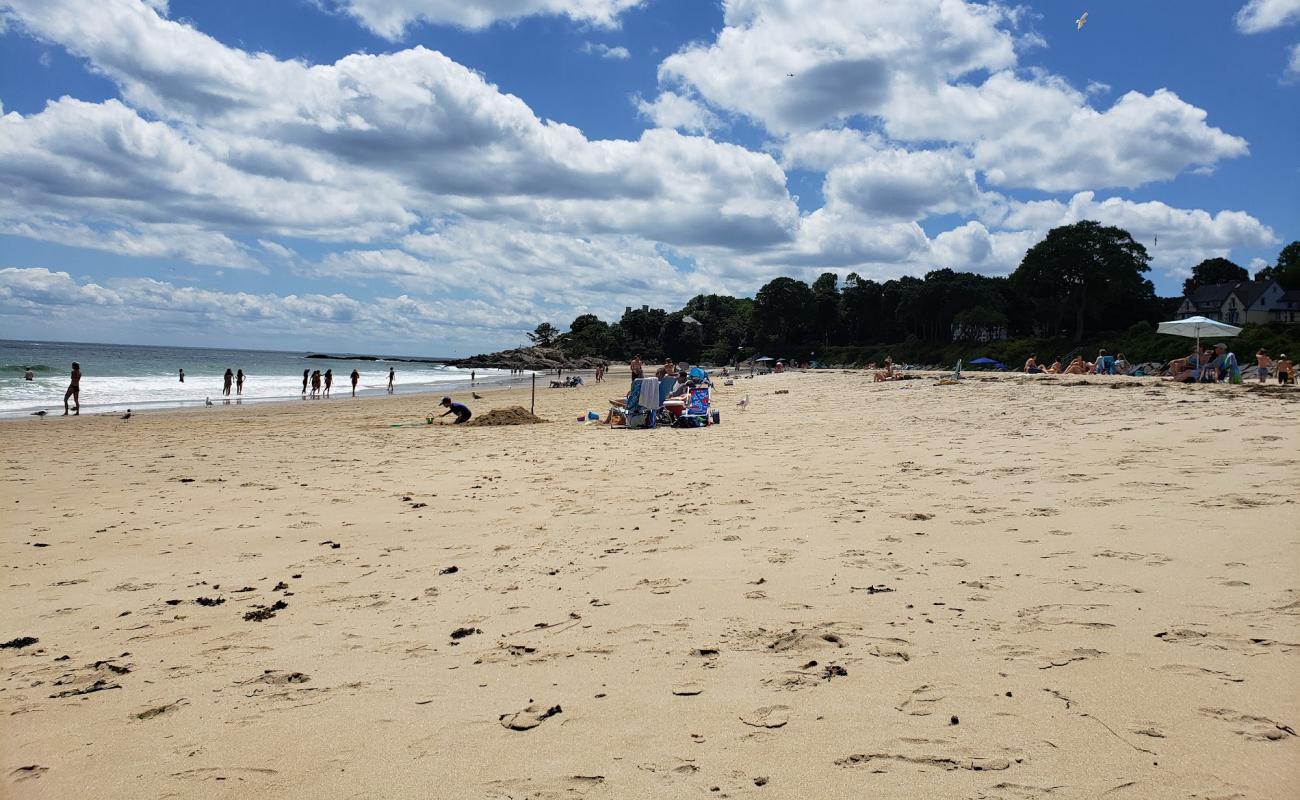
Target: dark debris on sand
(21,641)
(98,686)
(262,613)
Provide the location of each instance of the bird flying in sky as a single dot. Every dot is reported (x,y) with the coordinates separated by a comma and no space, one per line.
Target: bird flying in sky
(1078,23)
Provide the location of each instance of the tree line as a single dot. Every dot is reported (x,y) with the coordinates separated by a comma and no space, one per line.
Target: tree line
(1081,279)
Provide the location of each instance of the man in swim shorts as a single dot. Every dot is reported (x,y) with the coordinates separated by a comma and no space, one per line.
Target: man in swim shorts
(1262,363)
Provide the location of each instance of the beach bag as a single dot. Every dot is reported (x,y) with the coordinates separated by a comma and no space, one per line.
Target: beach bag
(685,421)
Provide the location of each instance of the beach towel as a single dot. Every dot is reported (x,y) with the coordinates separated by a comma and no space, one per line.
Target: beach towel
(1232,368)
(649,394)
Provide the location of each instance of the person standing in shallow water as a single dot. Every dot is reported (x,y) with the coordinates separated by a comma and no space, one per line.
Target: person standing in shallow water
(356,376)
(182,372)
(329,381)
(392,376)
(230,376)
(315,384)
(74,391)
(305,374)
(239,382)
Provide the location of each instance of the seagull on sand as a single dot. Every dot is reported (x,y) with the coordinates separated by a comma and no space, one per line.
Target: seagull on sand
(476,395)
(40,413)
(1079,23)
(127,415)
(744,403)
(207,401)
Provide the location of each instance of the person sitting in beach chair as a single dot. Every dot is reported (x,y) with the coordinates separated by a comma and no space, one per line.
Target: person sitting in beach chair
(1223,367)
(629,411)
(1104,365)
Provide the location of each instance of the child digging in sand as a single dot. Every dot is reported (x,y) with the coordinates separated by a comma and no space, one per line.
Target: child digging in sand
(461,411)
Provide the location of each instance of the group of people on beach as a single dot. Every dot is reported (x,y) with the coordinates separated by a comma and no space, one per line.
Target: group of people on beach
(238,379)
(1207,366)
(1103,365)
(1217,364)
(321,384)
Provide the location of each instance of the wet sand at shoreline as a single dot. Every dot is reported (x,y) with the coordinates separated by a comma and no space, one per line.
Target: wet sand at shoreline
(1008,588)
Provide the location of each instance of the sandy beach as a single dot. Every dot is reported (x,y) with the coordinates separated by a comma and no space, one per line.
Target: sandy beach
(1007,588)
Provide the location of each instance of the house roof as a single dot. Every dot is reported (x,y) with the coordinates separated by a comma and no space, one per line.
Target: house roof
(1215,293)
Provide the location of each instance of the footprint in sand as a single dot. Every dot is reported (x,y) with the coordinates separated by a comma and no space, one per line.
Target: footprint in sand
(767,717)
(28,773)
(1249,726)
(529,716)
(921,701)
(806,640)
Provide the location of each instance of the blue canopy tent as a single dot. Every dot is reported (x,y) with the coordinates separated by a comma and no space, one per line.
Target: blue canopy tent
(986,362)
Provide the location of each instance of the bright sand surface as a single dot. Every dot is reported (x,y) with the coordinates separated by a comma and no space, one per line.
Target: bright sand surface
(1015,588)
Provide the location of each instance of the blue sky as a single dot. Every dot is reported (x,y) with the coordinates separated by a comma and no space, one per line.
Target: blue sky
(437,176)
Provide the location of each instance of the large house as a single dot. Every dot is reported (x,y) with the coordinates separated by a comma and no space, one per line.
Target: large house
(1239,302)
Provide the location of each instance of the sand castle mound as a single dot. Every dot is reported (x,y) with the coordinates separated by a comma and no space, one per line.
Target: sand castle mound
(515,415)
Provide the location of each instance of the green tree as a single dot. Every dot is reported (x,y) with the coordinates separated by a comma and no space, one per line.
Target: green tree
(1083,269)
(640,329)
(979,324)
(590,336)
(826,299)
(1212,271)
(1287,268)
(544,335)
(783,313)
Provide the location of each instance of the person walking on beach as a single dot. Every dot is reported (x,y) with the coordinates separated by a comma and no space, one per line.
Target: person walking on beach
(305,374)
(230,376)
(1284,373)
(74,391)
(315,384)
(392,376)
(1262,363)
(356,376)
(239,383)
(637,368)
(182,373)
(329,381)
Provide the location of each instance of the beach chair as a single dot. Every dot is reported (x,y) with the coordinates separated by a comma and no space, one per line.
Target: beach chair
(1105,365)
(696,415)
(634,414)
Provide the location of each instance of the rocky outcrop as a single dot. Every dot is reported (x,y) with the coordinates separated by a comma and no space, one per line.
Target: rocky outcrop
(527,358)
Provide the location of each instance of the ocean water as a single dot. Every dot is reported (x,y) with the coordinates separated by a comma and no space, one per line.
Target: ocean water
(116,377)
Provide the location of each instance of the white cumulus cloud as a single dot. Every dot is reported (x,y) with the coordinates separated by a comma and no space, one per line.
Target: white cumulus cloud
(1258,16)
(390,18)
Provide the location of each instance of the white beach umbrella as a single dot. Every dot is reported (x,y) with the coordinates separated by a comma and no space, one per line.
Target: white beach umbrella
(1196,327)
